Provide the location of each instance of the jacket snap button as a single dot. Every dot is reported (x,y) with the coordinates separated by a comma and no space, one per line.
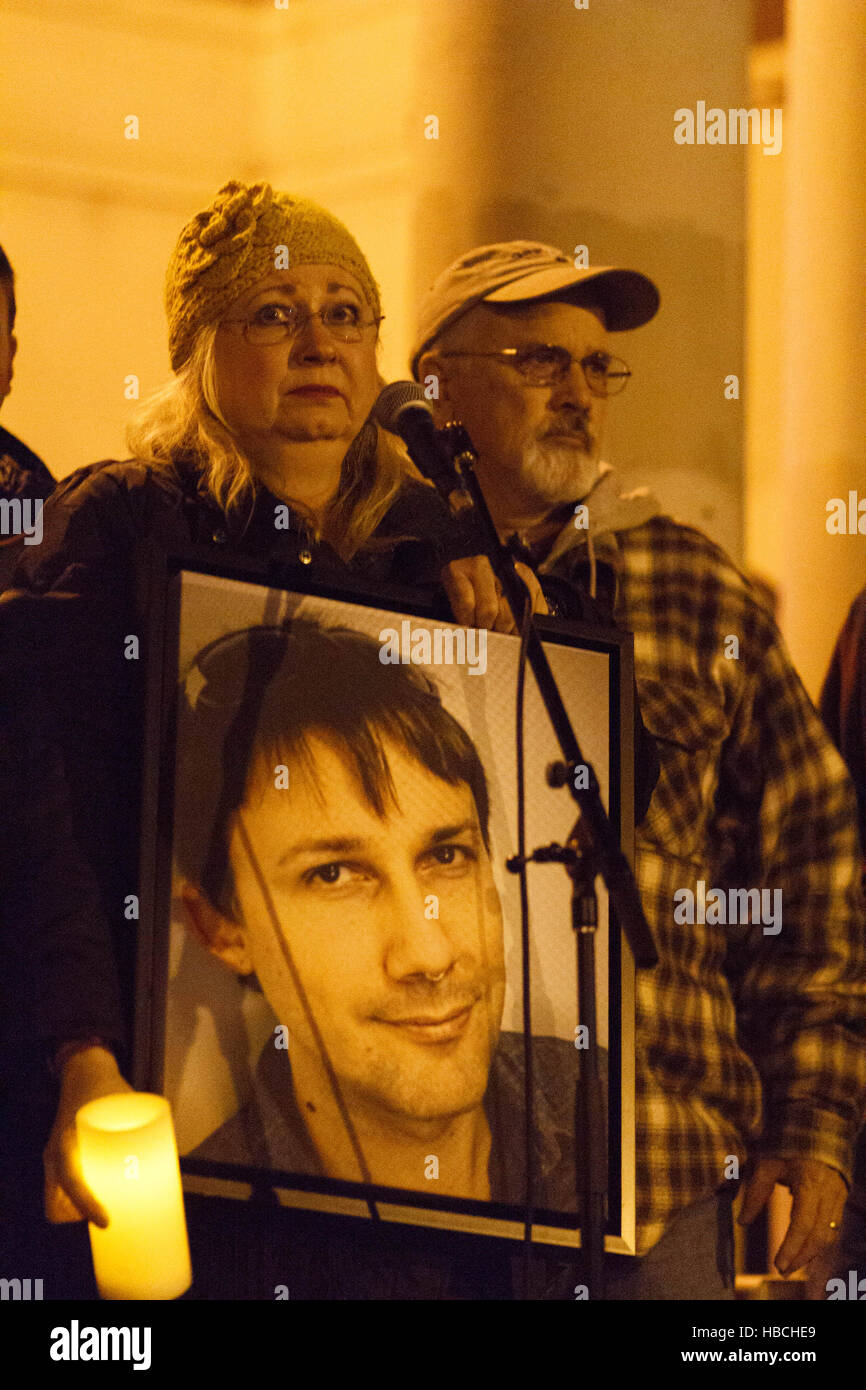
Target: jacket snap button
(219,536)
(305,557)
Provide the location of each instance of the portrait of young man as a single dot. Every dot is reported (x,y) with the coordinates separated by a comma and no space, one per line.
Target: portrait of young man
(332,838)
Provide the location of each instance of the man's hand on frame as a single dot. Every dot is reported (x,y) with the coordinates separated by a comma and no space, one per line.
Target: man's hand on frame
(819,1194)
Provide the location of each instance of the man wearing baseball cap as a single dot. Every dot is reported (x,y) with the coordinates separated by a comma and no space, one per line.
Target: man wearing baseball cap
(751,1030)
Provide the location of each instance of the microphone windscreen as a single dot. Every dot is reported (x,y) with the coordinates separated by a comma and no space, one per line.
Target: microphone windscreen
(395,399)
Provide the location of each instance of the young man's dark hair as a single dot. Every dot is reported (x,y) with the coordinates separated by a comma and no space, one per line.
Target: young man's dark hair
(263,693)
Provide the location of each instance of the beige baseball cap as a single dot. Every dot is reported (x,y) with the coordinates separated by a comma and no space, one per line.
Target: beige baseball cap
(512,272)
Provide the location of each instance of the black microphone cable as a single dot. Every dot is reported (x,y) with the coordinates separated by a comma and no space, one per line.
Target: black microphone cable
(528,1087)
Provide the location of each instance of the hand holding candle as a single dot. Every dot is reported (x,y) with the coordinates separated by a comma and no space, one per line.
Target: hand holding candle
(129,1160)
(87,1075)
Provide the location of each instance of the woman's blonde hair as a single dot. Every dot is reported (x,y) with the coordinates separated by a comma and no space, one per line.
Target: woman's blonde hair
(184,417)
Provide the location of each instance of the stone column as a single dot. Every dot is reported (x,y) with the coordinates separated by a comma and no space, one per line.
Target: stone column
(824,337)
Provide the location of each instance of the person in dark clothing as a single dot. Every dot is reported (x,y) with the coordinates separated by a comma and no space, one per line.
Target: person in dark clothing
(261,450)
(25,482)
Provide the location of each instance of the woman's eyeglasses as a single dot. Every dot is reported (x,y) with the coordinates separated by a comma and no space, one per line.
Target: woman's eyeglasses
(275,323)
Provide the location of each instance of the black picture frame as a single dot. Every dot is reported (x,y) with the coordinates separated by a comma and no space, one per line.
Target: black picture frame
(194,603)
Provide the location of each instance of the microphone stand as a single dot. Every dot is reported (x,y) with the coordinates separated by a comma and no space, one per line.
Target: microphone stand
(591,849)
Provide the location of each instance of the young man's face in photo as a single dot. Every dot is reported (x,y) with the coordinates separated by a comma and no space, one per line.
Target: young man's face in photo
(408,1002)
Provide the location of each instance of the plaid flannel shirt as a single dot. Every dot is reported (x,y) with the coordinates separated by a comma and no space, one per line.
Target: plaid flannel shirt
(747,1043)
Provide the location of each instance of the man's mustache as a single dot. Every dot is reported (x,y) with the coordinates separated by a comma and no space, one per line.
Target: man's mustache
(570,426)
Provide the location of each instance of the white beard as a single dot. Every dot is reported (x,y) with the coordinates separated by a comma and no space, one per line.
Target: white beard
(558,473)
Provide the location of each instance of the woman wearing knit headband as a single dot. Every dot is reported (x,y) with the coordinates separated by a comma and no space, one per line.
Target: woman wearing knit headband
(273,317)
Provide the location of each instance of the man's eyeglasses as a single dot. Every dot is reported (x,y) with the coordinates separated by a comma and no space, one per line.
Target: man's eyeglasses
(543,364)
(274,323)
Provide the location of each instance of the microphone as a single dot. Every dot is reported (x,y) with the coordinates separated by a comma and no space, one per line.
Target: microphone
(403,410)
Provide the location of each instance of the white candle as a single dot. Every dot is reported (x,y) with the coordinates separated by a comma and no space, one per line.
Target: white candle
(130,1163)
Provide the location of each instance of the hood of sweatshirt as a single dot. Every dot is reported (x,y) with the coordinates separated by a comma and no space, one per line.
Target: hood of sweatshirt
(595,520)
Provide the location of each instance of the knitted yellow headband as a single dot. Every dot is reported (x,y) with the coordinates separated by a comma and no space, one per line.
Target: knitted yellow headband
(246,232)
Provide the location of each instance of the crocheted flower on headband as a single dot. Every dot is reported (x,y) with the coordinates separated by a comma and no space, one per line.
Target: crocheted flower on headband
(220,240)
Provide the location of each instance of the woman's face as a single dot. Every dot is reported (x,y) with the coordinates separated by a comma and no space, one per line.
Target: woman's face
(307,387)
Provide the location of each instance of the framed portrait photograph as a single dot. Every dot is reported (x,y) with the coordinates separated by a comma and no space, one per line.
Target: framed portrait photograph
(330,981)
